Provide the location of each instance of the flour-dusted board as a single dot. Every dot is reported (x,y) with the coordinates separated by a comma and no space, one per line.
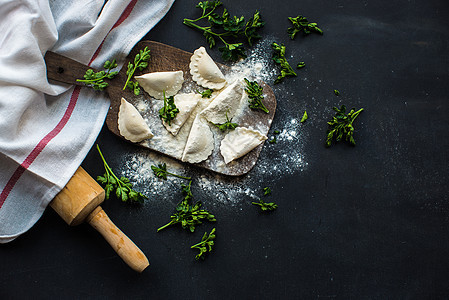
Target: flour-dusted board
(168,58)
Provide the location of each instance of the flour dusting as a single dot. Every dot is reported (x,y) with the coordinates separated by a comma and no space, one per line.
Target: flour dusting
(277,160)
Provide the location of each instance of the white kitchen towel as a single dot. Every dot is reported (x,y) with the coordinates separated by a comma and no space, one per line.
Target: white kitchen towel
(46,129)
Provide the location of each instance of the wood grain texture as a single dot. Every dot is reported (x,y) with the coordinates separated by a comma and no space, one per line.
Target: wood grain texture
(125,248)
(81,195)
(79,201)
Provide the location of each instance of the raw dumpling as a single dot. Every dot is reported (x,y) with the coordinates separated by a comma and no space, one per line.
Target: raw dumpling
(239,142)
(200,143)
(204,70)
(185,103)
(226,103)
(131,124)
(157,82)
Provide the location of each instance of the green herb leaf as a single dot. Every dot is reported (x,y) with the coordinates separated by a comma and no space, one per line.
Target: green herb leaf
(255,95)
(228,125)
(304,117)
(122,187)
(187,214)
(337,92)
(266,191)
(161,172)
(232,52)
(301,64)
(266,206)
(169,111)
(341,126)
(273,140)
(279,58)
(205,245)
(140,62)
(251,27)
(301,23)
(96,79)
(206,93)
(226,26)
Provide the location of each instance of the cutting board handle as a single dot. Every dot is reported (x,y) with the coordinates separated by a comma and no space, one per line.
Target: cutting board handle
(64,69)
(124,247)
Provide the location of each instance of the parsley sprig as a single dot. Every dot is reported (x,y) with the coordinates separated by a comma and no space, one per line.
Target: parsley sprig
(224,26)
(123,188)
(169,111)
(264,206)
(304,117)
(301,23)
(187,214)
(255,95)
(206,93)
(279,58)
(96,79)
(340,127)
(140,62)
(205,245)
(228,125)
(161,171)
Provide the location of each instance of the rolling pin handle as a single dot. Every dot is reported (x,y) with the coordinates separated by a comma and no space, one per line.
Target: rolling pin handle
(124,247)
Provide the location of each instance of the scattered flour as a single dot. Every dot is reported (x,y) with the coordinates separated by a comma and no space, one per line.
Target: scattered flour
(277,160)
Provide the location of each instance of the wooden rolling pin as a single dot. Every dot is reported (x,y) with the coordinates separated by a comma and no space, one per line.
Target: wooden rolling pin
(79,201)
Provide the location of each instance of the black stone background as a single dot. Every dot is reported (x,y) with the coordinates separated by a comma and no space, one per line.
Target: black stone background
(363,222)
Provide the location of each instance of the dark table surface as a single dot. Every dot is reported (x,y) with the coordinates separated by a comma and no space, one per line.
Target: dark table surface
(369,221)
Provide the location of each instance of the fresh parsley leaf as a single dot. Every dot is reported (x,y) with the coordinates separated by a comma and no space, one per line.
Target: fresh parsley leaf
(301,64)
(301,23)
(340,127)
(227,125)
(279,58)
(140,62)
(134,86)
(187,214)
(123,188)
(208,5)
(255,95)
(266,191)
(232,52)
(226,26)
(161,171)
(264,206)
(169,111)
(251,27)
(304,117)
(205,245)
(96,79)
(206,93)
(337,92)
(276,131)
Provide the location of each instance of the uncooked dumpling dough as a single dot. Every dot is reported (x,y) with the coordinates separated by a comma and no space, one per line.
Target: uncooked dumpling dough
(200,143)
(225,104)
(239,142)
(131,124)
(204,70)
(186,104)
(157,82)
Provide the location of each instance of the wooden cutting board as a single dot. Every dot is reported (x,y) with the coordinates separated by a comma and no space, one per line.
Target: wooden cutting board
(164,58)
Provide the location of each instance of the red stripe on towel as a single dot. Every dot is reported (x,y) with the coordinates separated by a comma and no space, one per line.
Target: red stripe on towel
(61,124)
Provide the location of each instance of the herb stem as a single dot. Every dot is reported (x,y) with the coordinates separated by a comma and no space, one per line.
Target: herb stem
(129,77)
(165,226)
(108,169)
